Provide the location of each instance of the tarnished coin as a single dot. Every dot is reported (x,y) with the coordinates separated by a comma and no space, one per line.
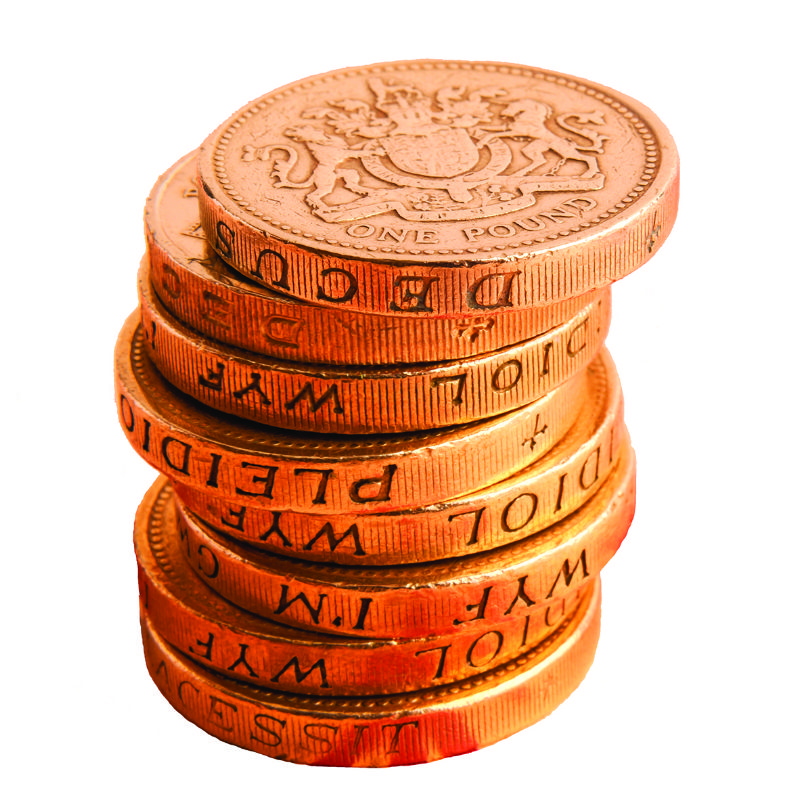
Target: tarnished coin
(271,468)
(431,599)
(397,729)
(438,187)
(549,490)
(328,399)
(201,290)
(243,646)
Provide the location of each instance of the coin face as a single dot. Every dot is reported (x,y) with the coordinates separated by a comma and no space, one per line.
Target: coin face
(439,164)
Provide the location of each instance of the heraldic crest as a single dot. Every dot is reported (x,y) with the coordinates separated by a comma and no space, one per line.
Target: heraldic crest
(460,154)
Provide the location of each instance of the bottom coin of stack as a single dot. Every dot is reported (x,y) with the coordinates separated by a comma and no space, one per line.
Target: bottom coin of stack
(382,731)
(264,709)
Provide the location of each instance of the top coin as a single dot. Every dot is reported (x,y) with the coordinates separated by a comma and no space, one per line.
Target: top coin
(438,188)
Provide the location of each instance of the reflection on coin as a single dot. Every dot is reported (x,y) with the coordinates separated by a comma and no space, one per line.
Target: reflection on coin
(201,290)
(417,600)
(223,637)
(277,469)
(432,187)
(382,731)
(365,400)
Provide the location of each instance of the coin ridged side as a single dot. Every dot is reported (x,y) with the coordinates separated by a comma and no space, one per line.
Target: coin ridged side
(386,731)
(270,468)
(519,506)
(363,400)
(435,598)
(199,289)
(220,636)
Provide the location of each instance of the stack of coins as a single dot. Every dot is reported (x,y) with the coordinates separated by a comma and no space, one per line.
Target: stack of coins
(368,362)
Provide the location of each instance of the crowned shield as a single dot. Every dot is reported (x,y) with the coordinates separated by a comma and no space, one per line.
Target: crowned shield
(444,153)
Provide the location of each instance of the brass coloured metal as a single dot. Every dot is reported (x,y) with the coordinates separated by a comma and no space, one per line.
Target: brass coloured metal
(436,598)
(243,646)
(438,187)
(369,364)
(199,289)
(270,468)
(525,503)
(328,399)
(383,731)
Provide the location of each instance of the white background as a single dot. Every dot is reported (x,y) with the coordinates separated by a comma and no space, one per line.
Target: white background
(693,691)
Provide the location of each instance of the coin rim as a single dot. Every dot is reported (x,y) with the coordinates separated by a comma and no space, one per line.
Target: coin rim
(660,154)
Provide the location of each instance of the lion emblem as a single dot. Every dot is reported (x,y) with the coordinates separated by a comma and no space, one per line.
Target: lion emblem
(456,155)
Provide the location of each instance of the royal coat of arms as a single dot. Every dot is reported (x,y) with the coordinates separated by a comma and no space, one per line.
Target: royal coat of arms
(456,155)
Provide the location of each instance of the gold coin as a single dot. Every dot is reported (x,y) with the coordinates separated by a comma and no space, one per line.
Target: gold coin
(438,187)
(386,731)
(527,502)
(364,400)
(431,599)
(243,646)
(278,469)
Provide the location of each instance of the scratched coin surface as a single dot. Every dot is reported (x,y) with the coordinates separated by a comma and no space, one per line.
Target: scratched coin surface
(222,637)
(436,598)
(364,400)
(201,290)
(527,502)
(272,468)
(407,728)
(438,187)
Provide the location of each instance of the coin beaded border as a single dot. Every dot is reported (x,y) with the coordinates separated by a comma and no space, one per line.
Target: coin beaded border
(651,161)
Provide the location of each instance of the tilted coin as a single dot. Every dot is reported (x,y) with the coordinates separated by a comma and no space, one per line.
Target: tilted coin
(406,728)
(438,187)
(329,399)
(547,491)
(243,646)
(270,468)
(436,598)
(202,291)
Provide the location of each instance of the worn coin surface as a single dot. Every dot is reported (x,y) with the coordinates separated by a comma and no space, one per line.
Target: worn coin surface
(438,187)
(549,490)
(397,729)
(418,600)
(271,468)
(222,637)
(201,290)
(327,399)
